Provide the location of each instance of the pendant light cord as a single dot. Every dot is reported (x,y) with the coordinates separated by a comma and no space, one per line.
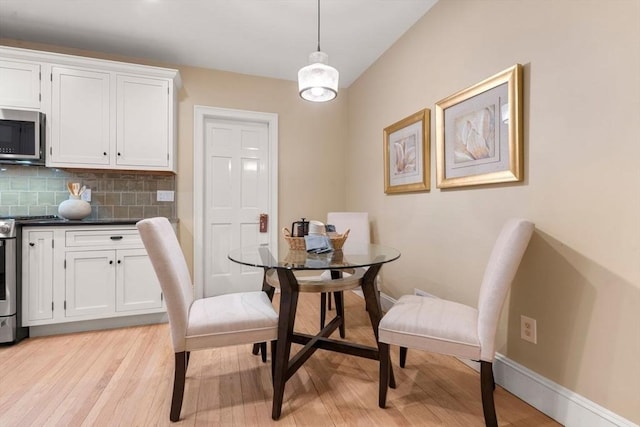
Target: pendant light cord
(318,25)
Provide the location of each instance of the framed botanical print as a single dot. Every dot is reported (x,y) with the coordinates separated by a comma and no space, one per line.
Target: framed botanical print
(406,154)
(479,133)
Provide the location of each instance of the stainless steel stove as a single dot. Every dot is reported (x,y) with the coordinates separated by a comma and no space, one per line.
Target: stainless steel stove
(10,330)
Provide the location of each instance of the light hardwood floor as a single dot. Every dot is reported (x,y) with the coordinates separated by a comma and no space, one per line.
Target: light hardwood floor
(124,377)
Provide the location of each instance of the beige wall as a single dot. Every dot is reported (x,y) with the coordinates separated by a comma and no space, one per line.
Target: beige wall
(580,277)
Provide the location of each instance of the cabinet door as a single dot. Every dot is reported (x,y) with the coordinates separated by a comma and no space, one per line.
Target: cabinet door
(143,132)
(90,283)
(137,286)
(37,275)
(19,84)
(80,118)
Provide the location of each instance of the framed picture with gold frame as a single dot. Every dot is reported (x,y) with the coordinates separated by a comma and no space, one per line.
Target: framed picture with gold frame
(479,133)
(406,154)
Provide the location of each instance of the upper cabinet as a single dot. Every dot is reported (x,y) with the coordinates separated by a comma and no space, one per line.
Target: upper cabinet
(80,118)
(19,84)
(143,122)
(100,114)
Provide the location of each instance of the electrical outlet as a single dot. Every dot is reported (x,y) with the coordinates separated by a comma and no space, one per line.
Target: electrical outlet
(528,330)
(164,196)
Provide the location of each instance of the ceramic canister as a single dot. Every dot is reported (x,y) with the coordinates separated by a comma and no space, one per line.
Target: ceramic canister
(74,208)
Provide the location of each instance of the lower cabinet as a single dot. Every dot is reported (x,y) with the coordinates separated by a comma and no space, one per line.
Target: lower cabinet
(37,275)
(89,283)
(73,273)
(134,290)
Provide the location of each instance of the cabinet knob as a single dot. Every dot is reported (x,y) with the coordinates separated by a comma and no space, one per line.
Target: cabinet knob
(31,244)
(104,153)
(110,261)
(119,261)
(118,154)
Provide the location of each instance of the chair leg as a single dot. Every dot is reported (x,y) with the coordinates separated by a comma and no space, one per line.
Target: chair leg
(487,384)
(188,354)
(403,356)
(385,367)
(263,351)
(329,300)
(180,373)
(323,308)
(256,349)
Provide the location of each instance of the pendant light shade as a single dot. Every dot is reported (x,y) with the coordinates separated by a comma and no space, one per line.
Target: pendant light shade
(318,81)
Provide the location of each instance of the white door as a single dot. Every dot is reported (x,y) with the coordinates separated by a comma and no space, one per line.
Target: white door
(235,168)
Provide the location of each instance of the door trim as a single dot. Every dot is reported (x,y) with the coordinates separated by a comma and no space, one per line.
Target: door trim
(200,114)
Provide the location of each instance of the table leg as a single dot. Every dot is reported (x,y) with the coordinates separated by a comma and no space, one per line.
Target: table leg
(323,308)
(287,315)
(339,298)
(372,299)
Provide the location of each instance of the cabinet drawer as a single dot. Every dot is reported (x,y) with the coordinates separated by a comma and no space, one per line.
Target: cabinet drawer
(103,238)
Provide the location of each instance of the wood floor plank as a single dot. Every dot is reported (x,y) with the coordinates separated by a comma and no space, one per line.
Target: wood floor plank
(125,377)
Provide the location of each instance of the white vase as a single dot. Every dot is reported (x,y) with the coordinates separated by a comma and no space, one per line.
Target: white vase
(74,208)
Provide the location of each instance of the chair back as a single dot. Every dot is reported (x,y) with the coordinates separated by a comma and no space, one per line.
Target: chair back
(501,269)
(168,261)
(358,224)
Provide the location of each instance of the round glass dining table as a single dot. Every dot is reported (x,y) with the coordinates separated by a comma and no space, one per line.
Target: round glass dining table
(363,256)
(358,268)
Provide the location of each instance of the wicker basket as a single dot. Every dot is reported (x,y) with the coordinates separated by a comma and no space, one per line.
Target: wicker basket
(297,243)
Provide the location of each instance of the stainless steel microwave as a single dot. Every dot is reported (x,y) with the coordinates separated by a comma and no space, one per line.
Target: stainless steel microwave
(22,136)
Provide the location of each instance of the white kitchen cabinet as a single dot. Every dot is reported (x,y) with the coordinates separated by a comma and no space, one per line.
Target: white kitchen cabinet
(90,283)
(92,272)
(37,275)
(99,114)
(143,122)
(80,120)
(137,287)
(19,84)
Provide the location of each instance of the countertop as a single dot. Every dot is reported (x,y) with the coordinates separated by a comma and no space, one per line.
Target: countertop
(88,221)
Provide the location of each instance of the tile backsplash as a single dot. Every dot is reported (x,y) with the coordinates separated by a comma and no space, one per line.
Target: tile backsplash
(36,190)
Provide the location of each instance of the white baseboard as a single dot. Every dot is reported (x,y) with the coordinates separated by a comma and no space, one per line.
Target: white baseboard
(98,324)
(563,405)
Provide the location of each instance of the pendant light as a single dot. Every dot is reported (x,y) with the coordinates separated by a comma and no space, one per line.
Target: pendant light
(318,82)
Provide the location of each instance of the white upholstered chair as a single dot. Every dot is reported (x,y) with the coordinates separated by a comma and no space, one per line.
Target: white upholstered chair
(224,320)
(447,327)
(359,237)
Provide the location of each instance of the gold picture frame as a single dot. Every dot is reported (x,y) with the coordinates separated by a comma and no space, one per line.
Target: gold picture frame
(407,154)
(479,133)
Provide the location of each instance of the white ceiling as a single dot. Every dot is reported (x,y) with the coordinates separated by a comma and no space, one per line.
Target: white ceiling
(270,38)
